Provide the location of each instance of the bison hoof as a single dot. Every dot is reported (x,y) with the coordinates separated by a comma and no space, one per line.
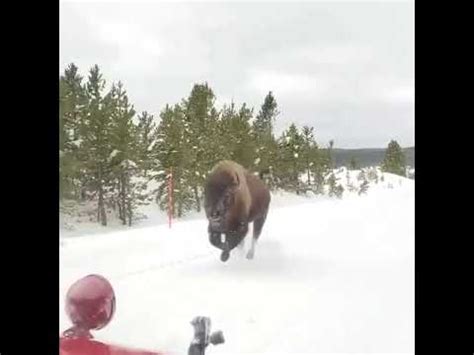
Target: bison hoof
(250,255)
(225,256)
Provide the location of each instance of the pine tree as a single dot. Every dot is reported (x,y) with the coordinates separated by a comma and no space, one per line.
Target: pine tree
(319,169)
(172,147)
(95,131)
(291,161)
(245,150)
(211,143)
(322,168)
(329,151)
(202,124)
(364,187)
(263,124)
(267,147)
(334,189)
(124,142)
(372,175)
(65,159)
(235,134)
(350,185)
(227,140)
(100,145)
(394,160)
(309,145)
(146,131)
(71,109)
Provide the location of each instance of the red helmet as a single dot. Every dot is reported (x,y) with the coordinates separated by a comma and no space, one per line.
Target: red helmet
(90,302)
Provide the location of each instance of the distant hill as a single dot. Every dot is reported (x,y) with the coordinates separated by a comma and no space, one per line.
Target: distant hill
(368,156)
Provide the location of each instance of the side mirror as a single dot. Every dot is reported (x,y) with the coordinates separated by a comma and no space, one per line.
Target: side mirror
(203,336)
(90,305)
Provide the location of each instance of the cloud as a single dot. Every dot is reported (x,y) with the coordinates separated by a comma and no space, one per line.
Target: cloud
(288,85)
(402,94)
(345,68)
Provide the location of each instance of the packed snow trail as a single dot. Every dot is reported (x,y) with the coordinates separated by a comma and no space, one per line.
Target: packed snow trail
(329,276)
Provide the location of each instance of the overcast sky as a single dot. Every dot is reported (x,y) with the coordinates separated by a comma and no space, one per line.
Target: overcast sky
(345,68)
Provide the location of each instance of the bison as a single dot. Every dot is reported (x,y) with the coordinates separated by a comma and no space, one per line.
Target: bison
(233,198)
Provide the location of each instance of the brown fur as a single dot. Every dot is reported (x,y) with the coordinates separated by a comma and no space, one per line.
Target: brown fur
(250,202)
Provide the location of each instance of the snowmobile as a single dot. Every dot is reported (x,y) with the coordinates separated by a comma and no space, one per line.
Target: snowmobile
(90,305)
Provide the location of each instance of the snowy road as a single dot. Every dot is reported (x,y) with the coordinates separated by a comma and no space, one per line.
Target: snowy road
(329,276)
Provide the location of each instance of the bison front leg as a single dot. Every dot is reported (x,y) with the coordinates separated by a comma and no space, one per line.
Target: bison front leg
(234,238)
(215,238)
(225,255)
(220,241)
(231,240)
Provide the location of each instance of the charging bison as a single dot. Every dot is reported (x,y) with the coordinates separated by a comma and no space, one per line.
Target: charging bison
(233,198)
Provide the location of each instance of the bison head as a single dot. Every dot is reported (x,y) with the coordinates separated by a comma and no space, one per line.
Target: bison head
(219,200)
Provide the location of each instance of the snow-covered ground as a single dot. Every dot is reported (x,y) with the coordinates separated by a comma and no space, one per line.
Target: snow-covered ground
(329,276)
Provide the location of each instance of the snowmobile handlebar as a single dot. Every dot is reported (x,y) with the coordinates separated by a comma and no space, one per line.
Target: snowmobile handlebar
(203,336)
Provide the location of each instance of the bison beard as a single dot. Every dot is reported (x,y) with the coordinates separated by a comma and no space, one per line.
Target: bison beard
(233,198)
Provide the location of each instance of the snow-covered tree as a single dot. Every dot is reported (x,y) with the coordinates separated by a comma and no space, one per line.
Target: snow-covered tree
(266,145)
(235,132)
(334,189)
(394,160)
(146,130)
(72,100)
(291,161)
(95,132)
(172,147)
(201,118)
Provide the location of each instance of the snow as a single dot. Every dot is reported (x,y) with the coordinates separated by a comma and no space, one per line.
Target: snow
(113,154)
(127,163)
(77,143)
(329,276)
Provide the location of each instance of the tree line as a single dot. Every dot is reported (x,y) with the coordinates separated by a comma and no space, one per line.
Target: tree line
(110,154)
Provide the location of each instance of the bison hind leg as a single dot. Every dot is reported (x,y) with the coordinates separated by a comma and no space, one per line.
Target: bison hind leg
(241,250)
(257,230)
(251,252)
(241,244)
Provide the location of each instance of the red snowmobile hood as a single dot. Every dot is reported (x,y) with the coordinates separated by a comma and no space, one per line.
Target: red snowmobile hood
(84,346)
